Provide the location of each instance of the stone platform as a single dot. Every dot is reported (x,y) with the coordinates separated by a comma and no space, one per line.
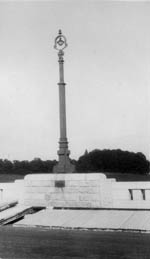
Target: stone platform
(86,201)
(131,220)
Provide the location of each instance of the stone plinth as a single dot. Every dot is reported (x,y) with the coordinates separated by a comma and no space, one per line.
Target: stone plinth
(68,190)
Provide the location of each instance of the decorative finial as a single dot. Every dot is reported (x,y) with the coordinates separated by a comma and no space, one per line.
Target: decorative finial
(60,41)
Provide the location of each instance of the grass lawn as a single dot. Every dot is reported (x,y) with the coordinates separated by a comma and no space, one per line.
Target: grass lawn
(30,243)
(117,176)
(128,177)
(10,177)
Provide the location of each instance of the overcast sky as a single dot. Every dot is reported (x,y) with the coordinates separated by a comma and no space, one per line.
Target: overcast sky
(107,72)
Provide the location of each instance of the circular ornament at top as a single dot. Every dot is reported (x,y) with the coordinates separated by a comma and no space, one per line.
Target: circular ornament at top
(60,41)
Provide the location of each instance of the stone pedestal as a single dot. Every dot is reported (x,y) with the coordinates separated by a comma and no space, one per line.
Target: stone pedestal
(64,165)
(68,190)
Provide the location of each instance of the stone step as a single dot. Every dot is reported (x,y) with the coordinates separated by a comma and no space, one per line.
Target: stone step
(5,205)
(14,213)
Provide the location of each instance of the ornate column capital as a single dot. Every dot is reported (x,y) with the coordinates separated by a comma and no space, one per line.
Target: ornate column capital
(60,42)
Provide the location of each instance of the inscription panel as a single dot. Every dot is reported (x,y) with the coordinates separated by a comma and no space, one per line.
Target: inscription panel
(60,183)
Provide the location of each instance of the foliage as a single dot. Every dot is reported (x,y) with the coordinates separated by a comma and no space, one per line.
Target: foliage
(26,167)
(113,161)
(106,161)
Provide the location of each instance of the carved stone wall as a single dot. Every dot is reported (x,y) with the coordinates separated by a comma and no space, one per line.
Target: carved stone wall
(68,190)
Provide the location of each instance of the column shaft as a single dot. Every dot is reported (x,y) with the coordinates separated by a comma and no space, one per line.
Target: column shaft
(64,165)
(62,103)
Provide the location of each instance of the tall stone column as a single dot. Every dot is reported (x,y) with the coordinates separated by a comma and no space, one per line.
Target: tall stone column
(64,165)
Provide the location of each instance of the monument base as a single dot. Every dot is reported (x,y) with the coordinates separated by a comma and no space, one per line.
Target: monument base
(64,164)
(61,168)
(68,190)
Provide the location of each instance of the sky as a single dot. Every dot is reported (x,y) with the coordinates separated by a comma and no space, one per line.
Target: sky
(107,75)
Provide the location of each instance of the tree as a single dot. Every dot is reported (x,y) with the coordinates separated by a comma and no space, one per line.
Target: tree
(113,161)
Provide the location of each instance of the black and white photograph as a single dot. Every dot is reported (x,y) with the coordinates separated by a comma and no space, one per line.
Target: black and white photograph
(75,129)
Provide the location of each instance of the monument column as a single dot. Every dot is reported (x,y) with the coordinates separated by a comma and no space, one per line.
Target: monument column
(64,165)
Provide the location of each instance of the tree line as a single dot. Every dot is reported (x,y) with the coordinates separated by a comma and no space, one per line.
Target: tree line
(113,161)
(24,167)
(95,161)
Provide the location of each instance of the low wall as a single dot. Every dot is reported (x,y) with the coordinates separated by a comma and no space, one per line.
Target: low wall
(133,195)
(77,190)
(12,191)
